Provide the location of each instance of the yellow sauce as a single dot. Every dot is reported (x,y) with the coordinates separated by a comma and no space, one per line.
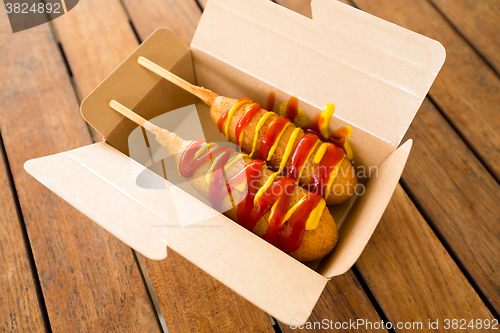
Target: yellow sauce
(289,148)
(300,120)
(324,120)
(333,175)
(314,216)
(275,144)
(205,147)
(321,152)
(261,123)
(270,180)
(302,167)
(263,189)
(348,149)
(240,139)
(231,113)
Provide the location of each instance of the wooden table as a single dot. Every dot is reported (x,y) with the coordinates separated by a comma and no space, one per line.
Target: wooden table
(435,254)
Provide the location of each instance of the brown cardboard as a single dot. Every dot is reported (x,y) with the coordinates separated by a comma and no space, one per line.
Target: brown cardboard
(97,180)
(376,74)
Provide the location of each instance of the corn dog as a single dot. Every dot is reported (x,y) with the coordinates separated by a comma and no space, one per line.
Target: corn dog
(321,167)
(275,208)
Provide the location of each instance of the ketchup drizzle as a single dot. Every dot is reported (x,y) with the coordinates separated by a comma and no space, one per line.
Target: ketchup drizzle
(270,136)
(247,116)
(286,235)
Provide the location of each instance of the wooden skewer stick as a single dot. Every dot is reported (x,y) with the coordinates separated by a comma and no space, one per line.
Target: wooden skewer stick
(122,109)
(205,95)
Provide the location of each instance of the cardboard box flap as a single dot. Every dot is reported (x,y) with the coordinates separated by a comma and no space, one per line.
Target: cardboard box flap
(376,73)
(130,82)
(358,227)
(99,181)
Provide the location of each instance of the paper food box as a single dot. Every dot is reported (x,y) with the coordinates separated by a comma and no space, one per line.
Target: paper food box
(376,73)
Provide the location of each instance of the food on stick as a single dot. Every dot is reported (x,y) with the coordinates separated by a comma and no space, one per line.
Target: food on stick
(245,190)
(316,159)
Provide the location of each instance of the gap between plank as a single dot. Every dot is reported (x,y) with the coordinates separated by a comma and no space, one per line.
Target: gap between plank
(440,109)
(138,257)
(76,89)
(481,160)
(274,323)
(152,295)
(95,138)
(199,5)
(479,53)
(461,265)
(27,244)
(453,254)
(132,26)
(371,296)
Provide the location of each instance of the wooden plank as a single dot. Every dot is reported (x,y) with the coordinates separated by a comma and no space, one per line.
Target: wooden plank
(179,16)
(412,275)
(478,22)
(466,89)
(90,280)
(435,145)
(343,300)
(449,182)
(96,37)
(20,310)
(193,301)
(458,194)
(83,46)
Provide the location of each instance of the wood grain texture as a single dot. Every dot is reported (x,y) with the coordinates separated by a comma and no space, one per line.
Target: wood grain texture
(478,22)
(96,37)
(467,89)
(90,280)
(193,301)
(83,46)
(20,310)
(410,272)
(434,165)
(179,16)
(458,194)
(449,182)
(342,300)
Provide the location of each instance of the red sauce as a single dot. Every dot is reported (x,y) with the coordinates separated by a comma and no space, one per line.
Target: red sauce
(322,171)
(222,119)
(286,236)
(247,116)
(292,108)
(218,157)
(272,133)
(292,232)
(270,101)
(337,140)
(300,154)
